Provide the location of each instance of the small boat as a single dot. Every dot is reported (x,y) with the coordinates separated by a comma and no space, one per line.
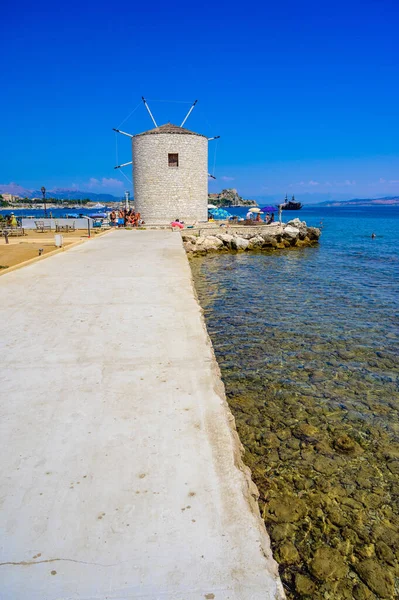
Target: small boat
(291,204)
(99,215)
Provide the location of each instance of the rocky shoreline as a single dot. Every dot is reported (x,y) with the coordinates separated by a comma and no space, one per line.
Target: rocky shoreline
(277,236)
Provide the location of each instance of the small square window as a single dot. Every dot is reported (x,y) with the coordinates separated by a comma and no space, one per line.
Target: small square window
(173,160)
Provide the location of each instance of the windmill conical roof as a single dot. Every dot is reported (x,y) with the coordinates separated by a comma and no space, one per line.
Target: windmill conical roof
(169,128)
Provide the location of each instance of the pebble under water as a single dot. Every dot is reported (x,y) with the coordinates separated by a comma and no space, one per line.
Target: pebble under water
(308,343)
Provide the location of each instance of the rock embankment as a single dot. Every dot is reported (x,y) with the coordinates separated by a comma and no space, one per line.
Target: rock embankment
(294,233)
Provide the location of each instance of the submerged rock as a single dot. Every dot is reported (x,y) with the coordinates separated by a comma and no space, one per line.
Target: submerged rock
(362,592)
(346,444)
(286,510)
(287,553)
(304,585)
(378,579)
(328,563)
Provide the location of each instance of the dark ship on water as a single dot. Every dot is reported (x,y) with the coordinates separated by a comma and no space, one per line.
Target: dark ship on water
(290,204)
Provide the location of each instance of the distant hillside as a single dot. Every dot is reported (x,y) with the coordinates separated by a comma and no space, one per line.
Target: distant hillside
(230,197)
(60,194)
(387,201)
(57,193)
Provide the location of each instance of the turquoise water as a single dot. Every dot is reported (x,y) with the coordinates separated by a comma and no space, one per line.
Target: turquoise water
(308,345)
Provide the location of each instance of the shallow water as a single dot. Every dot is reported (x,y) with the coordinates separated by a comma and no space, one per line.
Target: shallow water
(308,345)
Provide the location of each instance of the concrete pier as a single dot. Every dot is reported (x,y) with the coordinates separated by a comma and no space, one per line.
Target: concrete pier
(121,472)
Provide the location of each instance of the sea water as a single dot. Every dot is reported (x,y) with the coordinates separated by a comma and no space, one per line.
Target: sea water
(308,344)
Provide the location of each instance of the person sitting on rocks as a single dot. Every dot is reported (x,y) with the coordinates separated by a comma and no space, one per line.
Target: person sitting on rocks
(269,219)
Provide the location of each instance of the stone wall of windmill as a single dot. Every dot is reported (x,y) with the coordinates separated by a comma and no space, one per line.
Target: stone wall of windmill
(170,174)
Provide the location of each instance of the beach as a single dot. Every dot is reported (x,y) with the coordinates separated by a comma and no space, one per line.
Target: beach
(34,244)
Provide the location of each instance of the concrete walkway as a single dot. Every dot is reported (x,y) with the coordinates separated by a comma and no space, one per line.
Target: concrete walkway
(121,477)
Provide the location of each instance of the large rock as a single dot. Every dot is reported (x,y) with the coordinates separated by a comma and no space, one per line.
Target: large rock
(300,225)
(226,238)
(200,239)
(297,223)
(189,247)
(269,240)
(255,242)
(290,233)
(189,238)
(313,233)
(238,243)
(210,243)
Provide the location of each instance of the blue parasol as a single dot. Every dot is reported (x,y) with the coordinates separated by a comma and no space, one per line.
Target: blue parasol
(220,214)
(266,209)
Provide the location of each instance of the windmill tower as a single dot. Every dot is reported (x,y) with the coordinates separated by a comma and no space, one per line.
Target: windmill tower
(170,173)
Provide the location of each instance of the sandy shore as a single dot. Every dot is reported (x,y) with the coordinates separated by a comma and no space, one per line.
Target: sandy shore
(23,248)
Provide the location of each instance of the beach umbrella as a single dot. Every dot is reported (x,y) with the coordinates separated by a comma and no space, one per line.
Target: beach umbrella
(220,214)
(267,209)
(211,206)
(254,210)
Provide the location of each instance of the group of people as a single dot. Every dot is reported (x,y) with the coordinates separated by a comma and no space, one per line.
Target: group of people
(125,218)
(11,220)
(258,219)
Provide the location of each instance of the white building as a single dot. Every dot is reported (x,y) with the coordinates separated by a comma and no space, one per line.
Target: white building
(10,198)
(170,174)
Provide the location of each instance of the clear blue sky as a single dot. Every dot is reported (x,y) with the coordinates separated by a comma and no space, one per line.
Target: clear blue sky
(304,94)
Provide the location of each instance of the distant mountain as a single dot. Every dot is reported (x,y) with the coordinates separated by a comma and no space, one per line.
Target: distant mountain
(65,194)
(57,193)
(386,201)
(15,190)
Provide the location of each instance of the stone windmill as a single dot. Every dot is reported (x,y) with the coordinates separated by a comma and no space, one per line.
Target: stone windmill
(170,172)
